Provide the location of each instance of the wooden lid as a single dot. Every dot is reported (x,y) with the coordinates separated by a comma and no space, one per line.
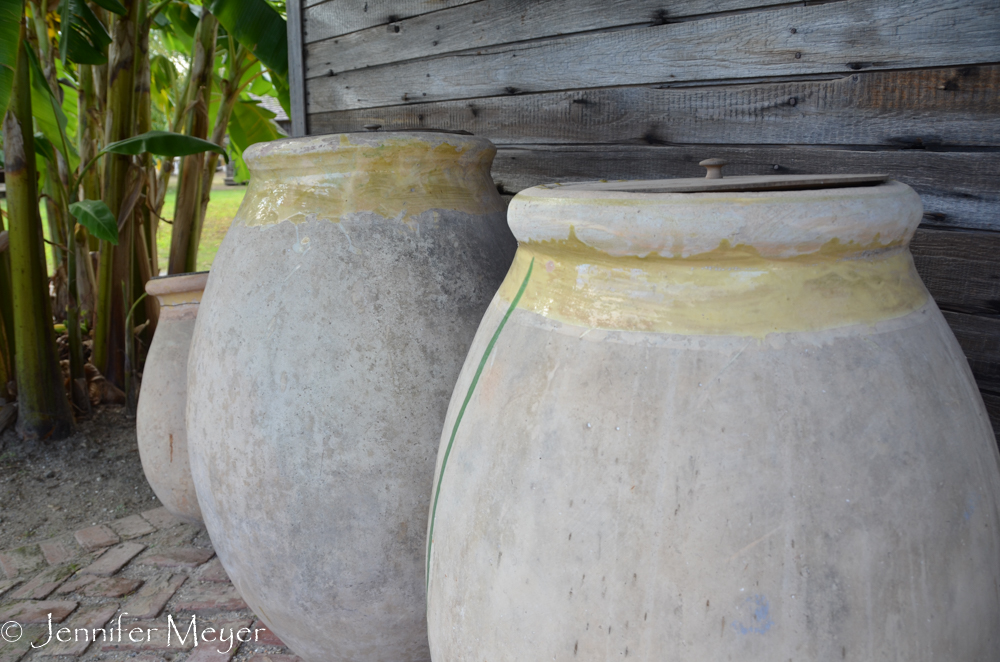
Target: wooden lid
(731,184)
(715,182)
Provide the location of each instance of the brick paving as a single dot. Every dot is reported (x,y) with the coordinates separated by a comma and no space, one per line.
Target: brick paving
(95,537)
(114,559)
(178,557)
(128,590)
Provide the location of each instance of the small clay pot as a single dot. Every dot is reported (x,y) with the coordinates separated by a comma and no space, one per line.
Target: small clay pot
(160,416)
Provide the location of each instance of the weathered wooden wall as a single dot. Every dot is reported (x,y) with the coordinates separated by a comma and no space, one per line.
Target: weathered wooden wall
(591,89)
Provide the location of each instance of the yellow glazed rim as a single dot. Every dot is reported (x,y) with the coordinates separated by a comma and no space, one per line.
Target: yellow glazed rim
(745,264)
(394,175)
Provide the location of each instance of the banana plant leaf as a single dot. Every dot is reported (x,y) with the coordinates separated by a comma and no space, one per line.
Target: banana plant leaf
(261,86)
(97,218)
(83,37)
(182,18)
(112,6)
(178,30)
(48,113)
(163,80)
(10,24)
(283,94)
(176,41)
(164,143)
(43,148)
(250,123)
(70,102)
(259,27)
(241,173)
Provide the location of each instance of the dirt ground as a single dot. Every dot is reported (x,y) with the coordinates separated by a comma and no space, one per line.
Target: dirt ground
(50,488)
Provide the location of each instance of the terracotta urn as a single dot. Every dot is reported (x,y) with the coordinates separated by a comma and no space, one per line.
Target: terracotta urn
(159,423)
(715,419)
(341,305)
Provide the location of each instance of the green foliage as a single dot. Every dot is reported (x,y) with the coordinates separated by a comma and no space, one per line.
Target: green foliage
(261,85)
(88,40)
(163,143)
(182,18)
(43,148)
(112,6)
(97,218)
(222,207)
(259,27)
(177,29)
(250,124)
(284,97)
(10,24)
(163,80)
(250,59)
(70,103)
(48,113)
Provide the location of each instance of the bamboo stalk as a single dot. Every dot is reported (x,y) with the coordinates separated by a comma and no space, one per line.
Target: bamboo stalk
(44,411)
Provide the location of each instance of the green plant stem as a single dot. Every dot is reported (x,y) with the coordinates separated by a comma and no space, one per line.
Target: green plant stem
(237,66)
(88,128)
(167,165)
(78,376)
(43,408)
(184,238)
(145,244)
(54,218)
(6,318)
(88,142)
(131,385)
(110,335)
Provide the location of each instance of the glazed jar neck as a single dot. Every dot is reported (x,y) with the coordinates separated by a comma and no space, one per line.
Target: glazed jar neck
(727,291)
(398,177)
(726,263)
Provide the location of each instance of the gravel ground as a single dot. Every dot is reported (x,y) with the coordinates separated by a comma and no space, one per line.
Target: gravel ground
(48,488)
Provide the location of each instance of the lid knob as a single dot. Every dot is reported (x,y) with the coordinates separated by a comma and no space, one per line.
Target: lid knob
(372,127)
(714,168)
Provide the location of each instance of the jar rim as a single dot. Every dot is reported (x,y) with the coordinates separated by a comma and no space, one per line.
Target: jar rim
(194,281)
(310,151)
(774,223)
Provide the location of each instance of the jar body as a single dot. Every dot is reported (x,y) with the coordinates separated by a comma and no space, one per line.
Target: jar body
(160,428)
(323,358)
(723,494)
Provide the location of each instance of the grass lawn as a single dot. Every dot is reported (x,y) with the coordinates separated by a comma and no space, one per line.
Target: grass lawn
(222,206)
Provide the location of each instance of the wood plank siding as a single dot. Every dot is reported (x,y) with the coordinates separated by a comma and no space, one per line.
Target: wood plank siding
(623,89)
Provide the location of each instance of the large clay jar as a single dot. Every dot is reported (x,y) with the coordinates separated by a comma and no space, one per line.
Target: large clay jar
(712,421)
(341,305)
(159,421)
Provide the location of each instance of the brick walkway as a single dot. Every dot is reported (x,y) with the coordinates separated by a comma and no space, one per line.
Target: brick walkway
(127,590)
